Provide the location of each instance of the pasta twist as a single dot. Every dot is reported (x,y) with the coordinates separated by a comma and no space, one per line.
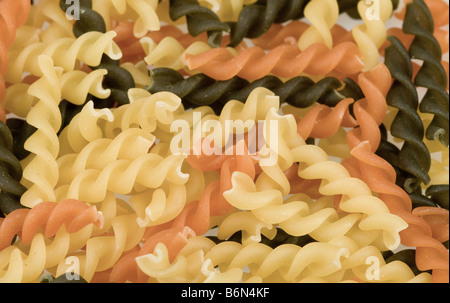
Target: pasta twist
(102,252)
(50,216)
(255,19)
(437,219)
(414,157)
(321,23)
(194,218)
(26,262)
(323,122)
(323,225)
(394,271)
(117,165)
(340,261)
(47,90)
(435,195)
(88,19)
(76,87)
(431,75)
(11,174)
(371,35)
(117,79)
(292,31)
(20,131)
(193,11)
(284,61)
(82,129)
(201,90)
(168,51)
(143,12)
(226,10)
(438,10)
(13,14)
(380,176)
(439,194)
(65,53)
(150,112)
(47,18)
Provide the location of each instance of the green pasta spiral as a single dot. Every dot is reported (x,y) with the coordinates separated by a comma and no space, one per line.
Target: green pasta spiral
(21,131)
(414,156)
(199,20)
(10,174)
(434,195)
(419,22)
(255,19)
(201,90)
(89,19)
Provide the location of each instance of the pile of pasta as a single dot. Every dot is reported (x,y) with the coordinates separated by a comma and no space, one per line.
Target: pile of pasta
(350,98)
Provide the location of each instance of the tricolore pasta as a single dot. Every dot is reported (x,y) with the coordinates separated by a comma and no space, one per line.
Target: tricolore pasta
(228,141)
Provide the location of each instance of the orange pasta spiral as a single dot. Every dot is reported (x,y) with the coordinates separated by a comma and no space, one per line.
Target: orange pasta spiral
(380,176)
(285,60)
(48,216)
(13,14)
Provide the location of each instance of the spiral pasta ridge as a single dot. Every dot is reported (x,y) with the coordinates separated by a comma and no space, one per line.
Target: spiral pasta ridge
(414,156)
(47,92)
(194,217)
(201,90)
(11,187)
(142,11)
(255,19)
(226,262)
(283,61)
(236,141)
(319,31)
(76,87)
(390,234)
(13,14)
(50,215)
(418,233)
(120,174)
(116,81)
(226,10)
(26,262)
(193,11)
(102,252)
(371,35)
(432,74)
(65,52)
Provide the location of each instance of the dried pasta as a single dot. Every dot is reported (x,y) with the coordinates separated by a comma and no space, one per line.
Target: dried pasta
(13,14)
(224,141)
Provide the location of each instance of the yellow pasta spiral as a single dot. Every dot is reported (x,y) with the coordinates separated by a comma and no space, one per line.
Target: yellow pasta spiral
(75,87)
(65,52)
(323,15)
(371,35)
(42,169)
